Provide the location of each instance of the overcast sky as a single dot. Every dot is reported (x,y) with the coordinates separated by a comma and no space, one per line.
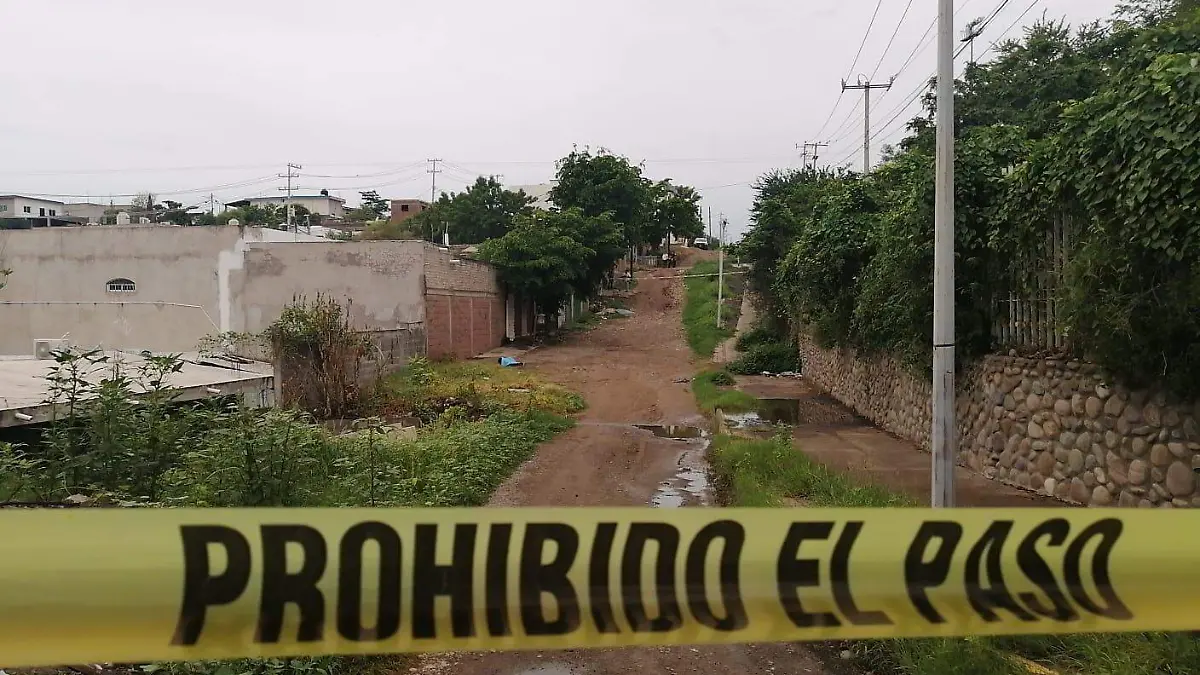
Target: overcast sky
(103,97)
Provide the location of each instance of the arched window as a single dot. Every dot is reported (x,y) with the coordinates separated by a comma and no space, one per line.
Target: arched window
(121,286)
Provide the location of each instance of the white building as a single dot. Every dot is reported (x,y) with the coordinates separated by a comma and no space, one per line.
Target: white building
(540,193)
(93,213)
(17,206)
(321,205)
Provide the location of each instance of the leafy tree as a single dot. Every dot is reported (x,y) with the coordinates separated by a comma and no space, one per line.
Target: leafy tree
(605,183)
(676,211)
(485,210)
(540,259)
(374,205)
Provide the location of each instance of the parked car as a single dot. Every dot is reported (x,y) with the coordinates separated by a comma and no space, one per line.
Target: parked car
(700,242)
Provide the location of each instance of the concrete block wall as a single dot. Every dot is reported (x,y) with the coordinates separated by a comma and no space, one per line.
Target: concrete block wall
(1057,426)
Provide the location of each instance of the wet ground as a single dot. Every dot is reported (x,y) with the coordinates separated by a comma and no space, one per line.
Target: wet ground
(831,433)
(625,370)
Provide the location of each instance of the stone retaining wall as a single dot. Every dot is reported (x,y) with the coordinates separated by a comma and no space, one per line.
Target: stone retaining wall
(1056,426)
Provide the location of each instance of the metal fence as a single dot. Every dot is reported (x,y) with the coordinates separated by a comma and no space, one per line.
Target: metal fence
(1028,315)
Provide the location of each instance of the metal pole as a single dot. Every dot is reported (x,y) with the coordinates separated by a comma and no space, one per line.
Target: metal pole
(720,270)
(943,269)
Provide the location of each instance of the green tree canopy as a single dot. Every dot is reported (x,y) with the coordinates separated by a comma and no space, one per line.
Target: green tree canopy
(485,210)
(605,183)
(539,258)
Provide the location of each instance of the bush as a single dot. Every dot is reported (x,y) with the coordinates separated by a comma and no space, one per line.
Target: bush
(756,336)
(772,357)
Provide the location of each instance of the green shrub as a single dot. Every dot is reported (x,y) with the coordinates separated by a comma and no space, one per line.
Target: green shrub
(756,336)
(773,357)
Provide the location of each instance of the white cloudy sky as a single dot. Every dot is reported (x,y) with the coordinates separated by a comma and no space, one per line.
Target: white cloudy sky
(105,97)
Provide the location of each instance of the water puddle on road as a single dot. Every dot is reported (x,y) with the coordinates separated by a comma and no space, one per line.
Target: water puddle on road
(672,431)
(770,412)
(689,486)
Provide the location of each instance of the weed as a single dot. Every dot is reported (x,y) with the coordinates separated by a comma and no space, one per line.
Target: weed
(700,309)
(772,357)
(318,355)
(709,388)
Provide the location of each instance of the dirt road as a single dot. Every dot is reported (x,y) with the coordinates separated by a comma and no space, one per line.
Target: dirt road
(625,369)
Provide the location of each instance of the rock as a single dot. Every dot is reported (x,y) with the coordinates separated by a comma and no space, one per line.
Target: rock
(1067,438)
(1101,496)
(1079,491)
(1033,402)
(1090,462)
(1049,485)
(1075,461)
(1180,503)
(1152,415)
(1196,462)
(1050,427)
(1113,407)
(1063,491)
(1024,446)
(1089,479)
(1062,407)
(1196,502)
(1138,472)
(1139,447)
(1157,476)
(1102,391)
(1093,406)
(1181,480)
(997,442)
(77,499)
(1035,430)
(1061,454)
(1160,455)
(1191,430)
(1038,388)
(1010,402)
(1111,439)
(1022,479)
(1126,500)
(1118,471)
(1101,477)
(1170,418)
(1145,504)
(1124,427)
(1044,463)
(1179,450)
(1084,441)
(1098,452)
(1077,404)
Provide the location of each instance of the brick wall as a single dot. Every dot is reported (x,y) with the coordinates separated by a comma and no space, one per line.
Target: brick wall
(464,306)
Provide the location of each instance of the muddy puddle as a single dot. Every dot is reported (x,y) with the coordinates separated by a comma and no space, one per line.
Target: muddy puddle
(689,486)
(771,412)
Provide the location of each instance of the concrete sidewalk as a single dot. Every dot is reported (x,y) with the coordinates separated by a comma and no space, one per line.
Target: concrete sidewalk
(727,350)
(832,434)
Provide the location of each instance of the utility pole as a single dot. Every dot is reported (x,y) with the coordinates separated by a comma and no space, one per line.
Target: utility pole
(866,85)
(943,268)
(710,224)
(433,171)
(720,269)
(973,30)
(816,147)
(287,202)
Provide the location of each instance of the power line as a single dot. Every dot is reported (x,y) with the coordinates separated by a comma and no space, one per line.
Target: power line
(892,39)
(1010,27)
(864,39)
(210,188)
(389,172)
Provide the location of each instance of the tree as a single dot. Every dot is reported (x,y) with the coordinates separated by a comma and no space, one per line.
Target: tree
(374,205)
(540,259)
(485,210)
(676,212)
(605,183)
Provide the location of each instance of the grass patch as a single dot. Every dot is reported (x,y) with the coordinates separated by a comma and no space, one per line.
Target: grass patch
(700,308)
(425,389)
(769,472)
(712,390)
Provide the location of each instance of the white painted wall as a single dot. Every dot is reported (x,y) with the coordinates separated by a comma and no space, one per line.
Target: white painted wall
(325,206)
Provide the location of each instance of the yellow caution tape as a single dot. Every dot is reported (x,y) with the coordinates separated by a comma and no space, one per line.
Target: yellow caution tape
(100,585)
